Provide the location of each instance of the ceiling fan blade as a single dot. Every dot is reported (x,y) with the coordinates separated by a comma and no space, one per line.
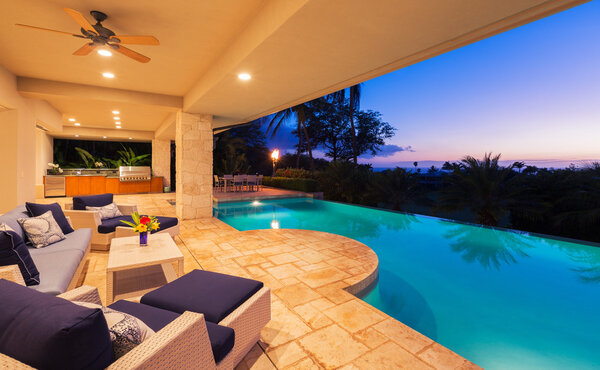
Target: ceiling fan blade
(46,29)
(85,49)
(80,19)
(132,54)
(137,40)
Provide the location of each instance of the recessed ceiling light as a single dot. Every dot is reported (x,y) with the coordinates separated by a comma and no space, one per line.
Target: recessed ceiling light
(117,122)
(104,53)
(116,118)
(108,75)
(244,76)
(115,112)
(72,119)
(118,126)
(104,137)
(77,124)
(130,138)
(76,135)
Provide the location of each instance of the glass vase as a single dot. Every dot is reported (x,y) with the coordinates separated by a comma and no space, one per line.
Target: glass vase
(143,239)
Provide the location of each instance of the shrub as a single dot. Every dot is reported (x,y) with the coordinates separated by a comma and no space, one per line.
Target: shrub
(306,185)
(294,173)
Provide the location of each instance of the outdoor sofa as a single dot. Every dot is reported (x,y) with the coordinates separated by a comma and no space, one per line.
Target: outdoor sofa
(43,331)
(103,231)
(224,314)
(59,264)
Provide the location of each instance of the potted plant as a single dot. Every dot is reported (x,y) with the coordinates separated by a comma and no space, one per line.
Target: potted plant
(143,225)
(54,169)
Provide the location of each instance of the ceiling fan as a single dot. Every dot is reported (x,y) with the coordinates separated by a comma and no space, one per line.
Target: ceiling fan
(102,36)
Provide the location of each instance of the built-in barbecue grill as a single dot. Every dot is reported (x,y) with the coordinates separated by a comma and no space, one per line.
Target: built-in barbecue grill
(134,173)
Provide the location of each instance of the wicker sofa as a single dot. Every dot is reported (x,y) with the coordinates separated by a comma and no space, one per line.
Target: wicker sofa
(60,264)
(183,343)
(237,303)
(103,231)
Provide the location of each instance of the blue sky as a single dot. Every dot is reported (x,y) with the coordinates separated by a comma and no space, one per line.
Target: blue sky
(532,93)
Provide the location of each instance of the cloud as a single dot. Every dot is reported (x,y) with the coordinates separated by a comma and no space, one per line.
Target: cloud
(389,150)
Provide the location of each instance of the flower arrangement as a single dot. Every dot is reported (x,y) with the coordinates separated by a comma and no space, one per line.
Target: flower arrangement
(98,164)
(54,169)
(143,224)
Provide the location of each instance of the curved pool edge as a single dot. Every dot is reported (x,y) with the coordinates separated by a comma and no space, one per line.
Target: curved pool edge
(316,305)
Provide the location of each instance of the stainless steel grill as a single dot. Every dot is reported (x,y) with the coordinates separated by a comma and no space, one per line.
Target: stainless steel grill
(134,173)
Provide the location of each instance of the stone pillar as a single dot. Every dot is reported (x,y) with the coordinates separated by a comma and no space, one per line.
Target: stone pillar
(194,164)
(161,160)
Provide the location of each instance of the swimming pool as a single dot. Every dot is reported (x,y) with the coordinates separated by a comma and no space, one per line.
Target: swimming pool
(502,299)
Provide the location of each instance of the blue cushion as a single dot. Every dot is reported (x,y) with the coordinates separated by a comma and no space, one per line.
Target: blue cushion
(101,200)
(36,209)
(56,270)
(13,251)
(110,224)
(221,338)
(78,240)
(155,318)
(11,218)
(213,294)
(48,332)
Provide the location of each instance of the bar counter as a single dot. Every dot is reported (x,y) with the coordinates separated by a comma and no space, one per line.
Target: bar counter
(91,184)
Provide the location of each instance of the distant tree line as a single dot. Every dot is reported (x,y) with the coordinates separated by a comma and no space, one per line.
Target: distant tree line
(561,202)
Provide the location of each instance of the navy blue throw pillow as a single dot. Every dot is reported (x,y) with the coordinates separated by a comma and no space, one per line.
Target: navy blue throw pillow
(47,332)
(13,251)
(101,200)
(36,209)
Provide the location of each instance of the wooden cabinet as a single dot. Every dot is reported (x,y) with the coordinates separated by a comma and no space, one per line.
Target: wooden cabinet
(71,186)
(112,185)
(98,185)
(90,185)
(134,187)
(156,185)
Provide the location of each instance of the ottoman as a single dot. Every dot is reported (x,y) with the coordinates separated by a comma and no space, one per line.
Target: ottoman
(239,303)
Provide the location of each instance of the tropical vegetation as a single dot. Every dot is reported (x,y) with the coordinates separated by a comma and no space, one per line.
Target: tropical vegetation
(100,154)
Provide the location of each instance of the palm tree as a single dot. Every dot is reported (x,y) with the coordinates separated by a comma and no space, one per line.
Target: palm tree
(354,104)
(482,186)
(519,165)
(301,112)
(393,189)
(355,91)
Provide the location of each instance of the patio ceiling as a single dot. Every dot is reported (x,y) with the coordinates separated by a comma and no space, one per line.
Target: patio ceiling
(295,50)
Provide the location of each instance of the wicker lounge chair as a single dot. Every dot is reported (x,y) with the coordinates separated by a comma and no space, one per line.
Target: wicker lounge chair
(241,304)
(103,231)
(182,344)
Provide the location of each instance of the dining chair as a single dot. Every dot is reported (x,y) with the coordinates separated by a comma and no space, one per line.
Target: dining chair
(251,182)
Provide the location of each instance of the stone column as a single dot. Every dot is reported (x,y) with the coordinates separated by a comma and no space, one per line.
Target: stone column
(161,160)
(194,163)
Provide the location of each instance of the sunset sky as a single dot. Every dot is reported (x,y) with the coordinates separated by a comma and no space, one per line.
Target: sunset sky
(532,93)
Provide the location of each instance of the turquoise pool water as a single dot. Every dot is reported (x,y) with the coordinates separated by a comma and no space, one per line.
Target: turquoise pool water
(502,299)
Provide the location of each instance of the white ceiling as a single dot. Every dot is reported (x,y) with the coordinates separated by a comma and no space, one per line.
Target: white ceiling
(295,50)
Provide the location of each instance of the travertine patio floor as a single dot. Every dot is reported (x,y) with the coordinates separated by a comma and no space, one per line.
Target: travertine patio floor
(315,322)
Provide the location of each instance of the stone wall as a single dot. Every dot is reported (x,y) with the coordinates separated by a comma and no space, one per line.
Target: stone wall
(161,160)
(194,159)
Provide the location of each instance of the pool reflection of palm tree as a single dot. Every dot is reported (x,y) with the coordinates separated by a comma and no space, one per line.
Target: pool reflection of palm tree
(403,302)
(589,260)
(489,247)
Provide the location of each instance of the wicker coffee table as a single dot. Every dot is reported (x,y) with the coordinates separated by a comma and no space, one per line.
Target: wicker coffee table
(133,271)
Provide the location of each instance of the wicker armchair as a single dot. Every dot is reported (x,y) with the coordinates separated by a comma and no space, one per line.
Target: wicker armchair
(91,219)
(182,344)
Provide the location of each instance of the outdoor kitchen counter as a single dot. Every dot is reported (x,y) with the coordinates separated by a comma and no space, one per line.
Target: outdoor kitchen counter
(99,184)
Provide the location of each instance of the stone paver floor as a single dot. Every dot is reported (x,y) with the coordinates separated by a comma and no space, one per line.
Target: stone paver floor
(316,323)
